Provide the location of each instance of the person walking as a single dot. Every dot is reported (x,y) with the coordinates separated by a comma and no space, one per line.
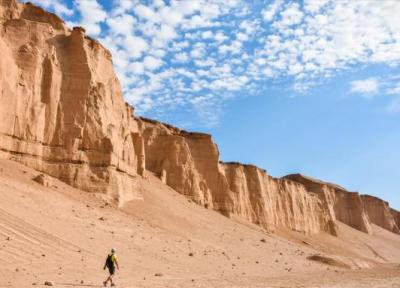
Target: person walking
(111,264)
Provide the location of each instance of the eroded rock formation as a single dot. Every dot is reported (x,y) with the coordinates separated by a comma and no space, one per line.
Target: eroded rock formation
(347,207)
(62,113)
(379,213)
(396,216)
(189,163)
(61,106)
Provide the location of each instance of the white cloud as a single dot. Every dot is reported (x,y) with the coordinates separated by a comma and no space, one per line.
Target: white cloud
(135,46)
(187,7)
(198,51)
(171,16)
(145,12)
(314,6)
(121,25)
(242,36)
(121,7)
(292,15)
(270,11)
(136,67)
(249,26)
(235,48)
(61,9)
(152,63)
(367,87)
(92,14)
(181,57)
(229,83)
(220,37)
(167,32)
(205,63)
(207,35)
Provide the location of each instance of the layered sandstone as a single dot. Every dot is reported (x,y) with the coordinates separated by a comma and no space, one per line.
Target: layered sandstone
(61,106)
(396,216)
(347,207)
(189,163)
(379,213)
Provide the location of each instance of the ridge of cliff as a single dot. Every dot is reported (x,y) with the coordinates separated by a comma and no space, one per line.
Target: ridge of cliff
(189,163)
(347,207)
(62,112)
(380,213)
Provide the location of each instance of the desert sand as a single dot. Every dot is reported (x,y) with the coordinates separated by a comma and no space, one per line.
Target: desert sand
(61,234)
(80,173)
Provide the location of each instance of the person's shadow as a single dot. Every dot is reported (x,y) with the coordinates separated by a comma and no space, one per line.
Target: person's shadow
(78,285)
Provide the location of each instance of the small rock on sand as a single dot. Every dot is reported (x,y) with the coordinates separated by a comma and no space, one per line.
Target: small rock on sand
(42,180)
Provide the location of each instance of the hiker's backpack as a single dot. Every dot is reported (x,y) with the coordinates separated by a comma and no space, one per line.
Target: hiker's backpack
(109,261)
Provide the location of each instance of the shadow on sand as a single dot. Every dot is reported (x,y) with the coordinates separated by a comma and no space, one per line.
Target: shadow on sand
(78,285)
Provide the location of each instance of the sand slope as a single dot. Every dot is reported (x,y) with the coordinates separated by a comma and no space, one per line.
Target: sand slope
(62,234)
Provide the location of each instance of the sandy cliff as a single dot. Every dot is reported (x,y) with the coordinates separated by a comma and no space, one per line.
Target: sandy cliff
(396,216)
(62,113)
(379,213)
(189,163)
(347,207)
(61,106)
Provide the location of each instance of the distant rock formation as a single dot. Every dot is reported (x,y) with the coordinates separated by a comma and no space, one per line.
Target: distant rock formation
(189,163)
(396,217)
(379,213)
(346,207)
(62,113)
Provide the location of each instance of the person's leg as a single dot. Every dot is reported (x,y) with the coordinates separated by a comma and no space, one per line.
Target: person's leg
(108,279)
(112,272)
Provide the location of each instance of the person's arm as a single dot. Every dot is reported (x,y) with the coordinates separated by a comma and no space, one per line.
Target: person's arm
(105,265)
(116,262)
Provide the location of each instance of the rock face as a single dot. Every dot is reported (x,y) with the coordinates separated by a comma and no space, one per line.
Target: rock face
(379,213)
(347,207)
(62,113)
(396,216)
(189,163)
(61,106)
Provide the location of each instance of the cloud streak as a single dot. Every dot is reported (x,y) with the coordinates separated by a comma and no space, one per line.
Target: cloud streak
(367,87)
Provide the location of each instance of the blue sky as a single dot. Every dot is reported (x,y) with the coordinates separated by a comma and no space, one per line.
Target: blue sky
(292,86)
